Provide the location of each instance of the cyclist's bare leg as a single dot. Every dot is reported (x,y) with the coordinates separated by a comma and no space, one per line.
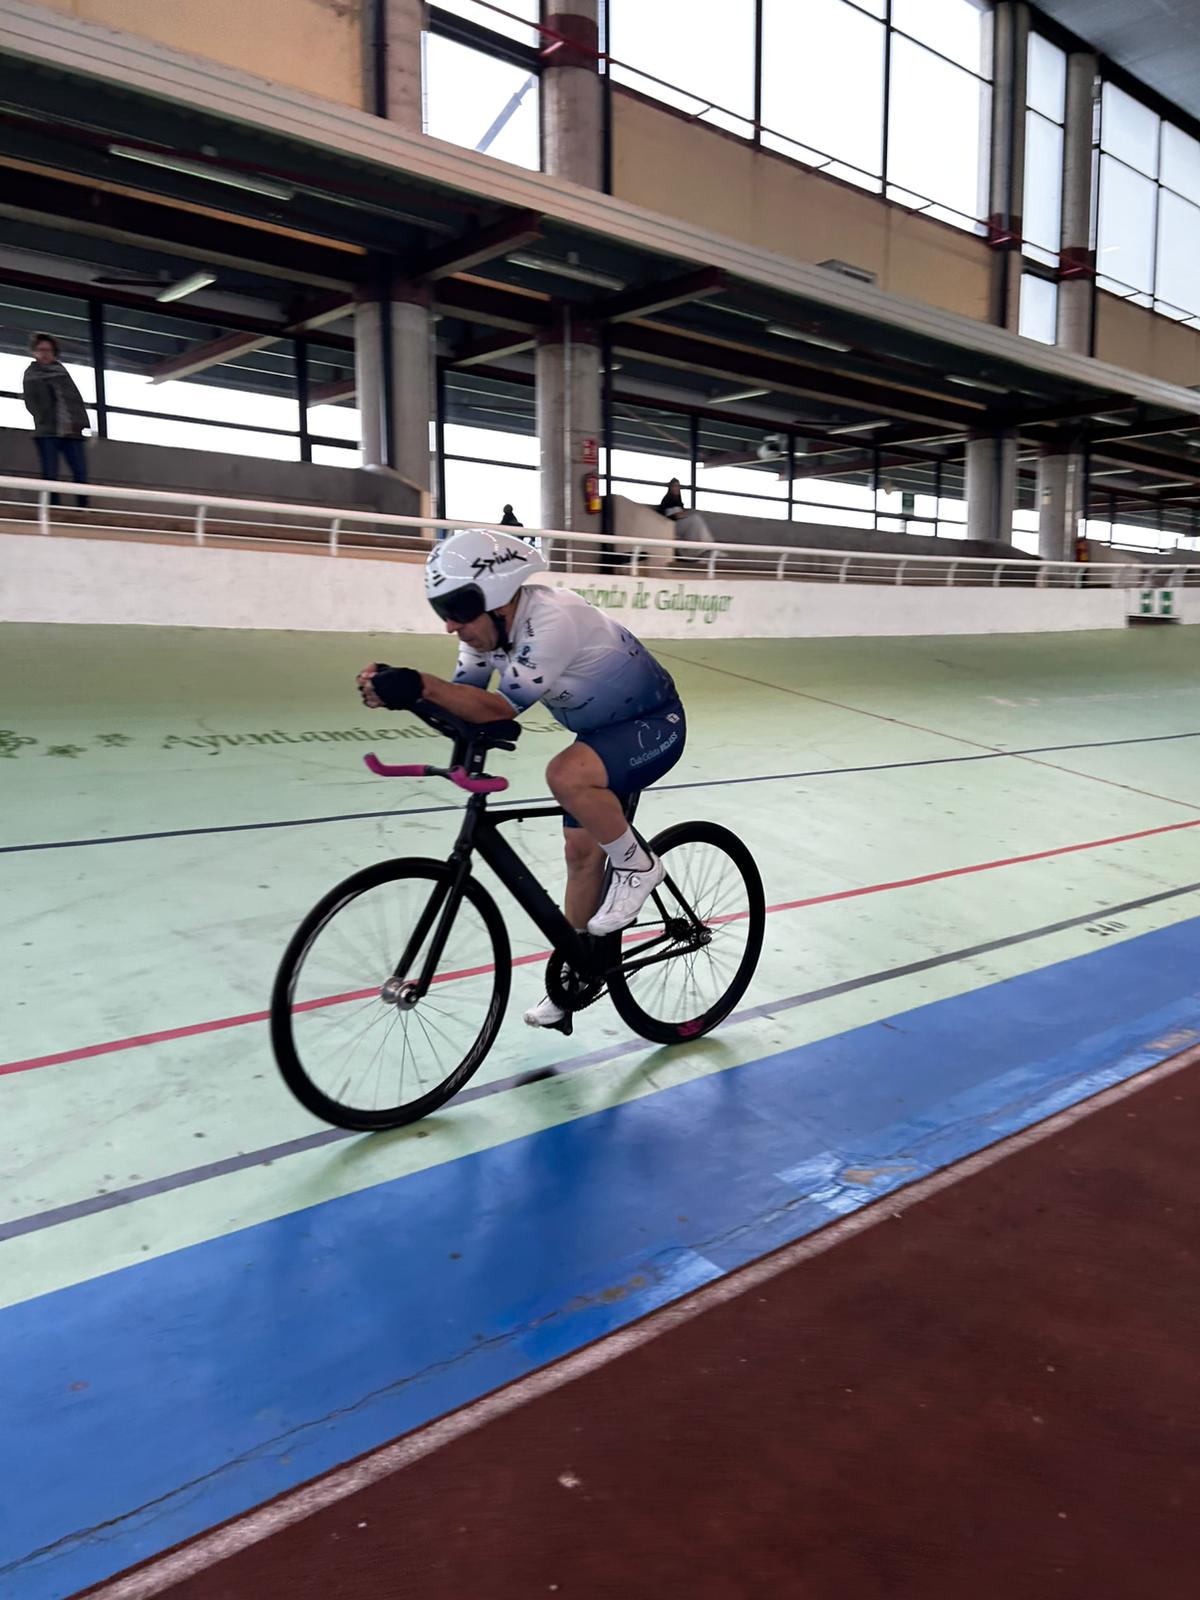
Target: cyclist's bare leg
(579,783)
(585,876)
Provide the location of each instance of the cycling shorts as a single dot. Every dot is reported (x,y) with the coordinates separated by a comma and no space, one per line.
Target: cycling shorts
(639,752)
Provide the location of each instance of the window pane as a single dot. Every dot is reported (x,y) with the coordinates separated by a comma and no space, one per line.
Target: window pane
(742,505)
(823,82)
(1178,253)
(487,105)
(702,50)
(937,138)
(1046,86)
(203,436)
(957,28)
(474,489)
(742,480)
(833,516)
(831,491)
(332,408)
(1039,308)
(1125,255)
(331,455)
(641,493)
(1180,162)
(489,17)
(1043,181)
(492,444)
(253,388)
(1129,130)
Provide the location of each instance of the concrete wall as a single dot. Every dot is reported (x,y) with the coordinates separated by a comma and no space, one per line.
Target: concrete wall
(703,176)
(314,45)
(154,466)
(71,580)
(1143,341)
(633,520)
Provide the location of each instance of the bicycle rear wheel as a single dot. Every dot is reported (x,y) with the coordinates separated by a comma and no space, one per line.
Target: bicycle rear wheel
(352,1042)
(687,960)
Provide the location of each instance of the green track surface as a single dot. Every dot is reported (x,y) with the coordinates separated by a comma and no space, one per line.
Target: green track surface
(132,731)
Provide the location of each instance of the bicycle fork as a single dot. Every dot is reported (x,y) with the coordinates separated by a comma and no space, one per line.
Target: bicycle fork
(444,900)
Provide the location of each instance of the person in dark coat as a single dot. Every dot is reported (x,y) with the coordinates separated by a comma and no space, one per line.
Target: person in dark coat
(689,525)
(59,416)
(509,520)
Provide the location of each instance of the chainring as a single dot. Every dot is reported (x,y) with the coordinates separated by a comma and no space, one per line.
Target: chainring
(568,988)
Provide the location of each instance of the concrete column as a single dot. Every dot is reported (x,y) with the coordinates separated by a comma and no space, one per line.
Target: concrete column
(572,113)
(568,423)
(393,339)
(392,60)
(1061,507)
(1077,260)
(1006,171)
(569,405)
(992,460)
(991,487)
(1060,502)
(394,367)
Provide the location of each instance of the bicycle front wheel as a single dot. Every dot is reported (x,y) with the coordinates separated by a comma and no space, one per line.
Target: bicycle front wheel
(354,1044)
(687,960)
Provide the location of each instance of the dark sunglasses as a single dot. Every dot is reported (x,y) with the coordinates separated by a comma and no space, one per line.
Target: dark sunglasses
(460,605)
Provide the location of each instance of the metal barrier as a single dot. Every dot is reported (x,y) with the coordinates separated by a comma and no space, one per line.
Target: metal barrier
(208,519)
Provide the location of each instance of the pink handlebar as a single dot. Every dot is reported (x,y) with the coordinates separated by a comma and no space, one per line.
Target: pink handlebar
(382,769)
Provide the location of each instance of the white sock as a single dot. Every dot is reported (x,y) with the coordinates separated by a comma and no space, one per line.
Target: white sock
(626,854)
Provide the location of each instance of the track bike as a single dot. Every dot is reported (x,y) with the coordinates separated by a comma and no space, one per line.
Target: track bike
(393,988)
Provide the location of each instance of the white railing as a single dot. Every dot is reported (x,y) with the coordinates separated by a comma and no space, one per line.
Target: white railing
(208,519)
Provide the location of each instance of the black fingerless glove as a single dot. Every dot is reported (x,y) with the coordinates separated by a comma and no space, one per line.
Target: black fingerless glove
(398,687)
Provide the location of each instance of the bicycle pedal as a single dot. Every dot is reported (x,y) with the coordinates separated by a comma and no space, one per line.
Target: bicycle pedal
(565,1024)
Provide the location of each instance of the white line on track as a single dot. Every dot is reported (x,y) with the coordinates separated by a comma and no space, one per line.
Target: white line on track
(160,1575)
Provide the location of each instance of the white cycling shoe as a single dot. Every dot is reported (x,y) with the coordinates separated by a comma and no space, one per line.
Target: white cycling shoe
(628,891)
(545,1015)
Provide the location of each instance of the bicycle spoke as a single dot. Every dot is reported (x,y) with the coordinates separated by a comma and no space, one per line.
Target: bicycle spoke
(367,1054)
(680,980)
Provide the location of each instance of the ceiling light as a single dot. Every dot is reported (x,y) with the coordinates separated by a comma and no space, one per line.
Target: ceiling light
(858,427)
(781,332)
(737,394)
(199,169)
(566,269)
(975,383)
(192,284)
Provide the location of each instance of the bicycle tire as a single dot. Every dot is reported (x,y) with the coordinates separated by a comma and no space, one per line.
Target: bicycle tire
(287,1057)
(662,1030)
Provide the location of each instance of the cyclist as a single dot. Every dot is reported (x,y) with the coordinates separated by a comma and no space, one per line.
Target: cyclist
(593,676)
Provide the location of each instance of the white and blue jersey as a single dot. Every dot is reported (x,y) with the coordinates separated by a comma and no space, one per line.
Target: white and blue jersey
(587,670)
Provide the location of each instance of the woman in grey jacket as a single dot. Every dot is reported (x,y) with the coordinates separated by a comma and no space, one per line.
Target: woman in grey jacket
(57,409)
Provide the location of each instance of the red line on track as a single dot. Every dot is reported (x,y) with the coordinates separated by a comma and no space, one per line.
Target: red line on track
(191,1029)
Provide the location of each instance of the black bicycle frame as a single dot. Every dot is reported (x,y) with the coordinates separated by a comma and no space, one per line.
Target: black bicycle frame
(480,832)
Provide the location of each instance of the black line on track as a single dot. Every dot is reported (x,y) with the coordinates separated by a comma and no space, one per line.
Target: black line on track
(660,788)
(38,1221)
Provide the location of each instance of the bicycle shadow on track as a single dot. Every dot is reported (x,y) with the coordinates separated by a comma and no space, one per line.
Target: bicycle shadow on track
(645,1075)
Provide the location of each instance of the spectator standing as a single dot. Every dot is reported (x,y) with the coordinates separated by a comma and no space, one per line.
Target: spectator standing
(508,520)
(57,409)
(689,525)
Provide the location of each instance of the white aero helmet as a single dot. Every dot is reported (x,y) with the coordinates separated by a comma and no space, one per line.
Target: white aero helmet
(476,571)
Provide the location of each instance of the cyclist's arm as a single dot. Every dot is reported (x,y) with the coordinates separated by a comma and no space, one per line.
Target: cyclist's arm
(466,700)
